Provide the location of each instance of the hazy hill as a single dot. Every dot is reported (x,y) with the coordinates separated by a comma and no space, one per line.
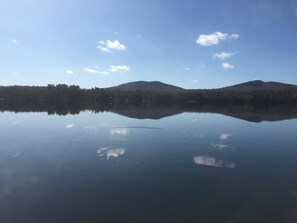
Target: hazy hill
(258,85)
(147,86)
(158,86)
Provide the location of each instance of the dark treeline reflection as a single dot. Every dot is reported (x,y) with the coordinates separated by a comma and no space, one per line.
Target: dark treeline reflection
(256,105)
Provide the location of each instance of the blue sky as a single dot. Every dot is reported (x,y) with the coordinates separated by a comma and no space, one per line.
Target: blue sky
(189,43)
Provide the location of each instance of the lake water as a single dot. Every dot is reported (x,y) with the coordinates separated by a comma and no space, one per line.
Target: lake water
(103,167)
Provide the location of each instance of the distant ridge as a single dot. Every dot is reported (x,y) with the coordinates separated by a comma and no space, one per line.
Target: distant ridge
(147,86)
(157,86)
(258,85)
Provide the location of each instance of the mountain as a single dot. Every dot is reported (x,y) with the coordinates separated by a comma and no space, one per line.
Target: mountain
(258,85)
(158,86)
(147,86)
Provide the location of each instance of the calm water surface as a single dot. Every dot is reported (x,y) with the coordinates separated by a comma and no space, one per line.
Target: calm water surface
(108,168)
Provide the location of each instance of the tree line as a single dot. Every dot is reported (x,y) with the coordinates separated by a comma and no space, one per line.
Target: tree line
(64,99)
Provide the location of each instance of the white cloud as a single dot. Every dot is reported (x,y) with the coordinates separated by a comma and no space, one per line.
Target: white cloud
(115,45)
(90,70)
(227,66)
(112,68)
(94,71)
(195,81)
(111,45)
(234,36)
(69,126)
(69,72)
(221,36)
(118,68)
(208,40)
(104,49)
(15,41)
(214,38)
(223,55)
(187,68)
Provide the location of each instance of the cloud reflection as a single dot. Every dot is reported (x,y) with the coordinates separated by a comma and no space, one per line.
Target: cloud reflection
(17,154)
(115,153)
(212,161)
(119,131)
(225,136)
(108,153)
(96,126)
(221,145)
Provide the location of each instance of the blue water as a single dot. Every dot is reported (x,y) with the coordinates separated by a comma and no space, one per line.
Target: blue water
(104,167)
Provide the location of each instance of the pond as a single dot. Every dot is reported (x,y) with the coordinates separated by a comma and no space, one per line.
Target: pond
(104,167)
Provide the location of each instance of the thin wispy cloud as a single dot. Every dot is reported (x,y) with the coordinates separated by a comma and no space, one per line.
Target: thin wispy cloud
(227,66)
(223,55)
(69,72)
(95,71)
(214,38)
(187,68)
(90,70)
(111,45)
(233,36)
(104,49)
(14,41)
(15,74)
(119,68)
